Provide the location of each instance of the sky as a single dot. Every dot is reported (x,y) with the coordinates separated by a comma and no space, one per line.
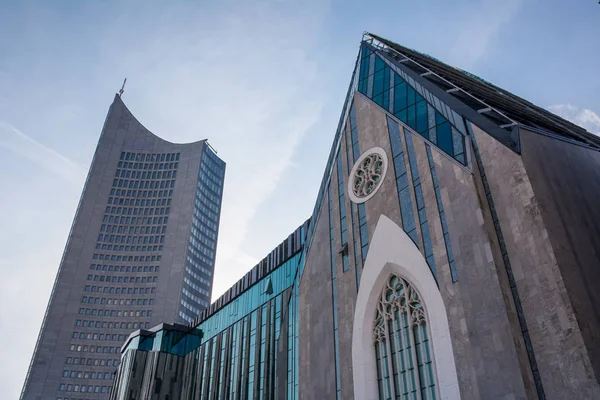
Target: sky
(264,81)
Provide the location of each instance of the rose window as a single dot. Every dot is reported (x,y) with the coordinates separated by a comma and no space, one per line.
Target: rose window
(367,175)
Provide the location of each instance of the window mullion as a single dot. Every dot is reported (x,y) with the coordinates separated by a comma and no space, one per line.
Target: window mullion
(390,368)
(401,354)
(417,380)
(381,381)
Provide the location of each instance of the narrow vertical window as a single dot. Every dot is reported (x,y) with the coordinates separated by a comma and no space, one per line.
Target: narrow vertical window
(402,348)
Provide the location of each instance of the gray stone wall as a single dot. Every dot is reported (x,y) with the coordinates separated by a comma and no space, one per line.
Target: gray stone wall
(476,310)
(345,281)
(315,317)
(480,315)
(565,179)
(557,343)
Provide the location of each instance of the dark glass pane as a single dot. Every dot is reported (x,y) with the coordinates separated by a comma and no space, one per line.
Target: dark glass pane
(378,99)
(411,95)
(386,100)
(439,118)
(411,117)
(422,118)
(386,78)
(378,83)
(401,115)
(364,69)
(398,79)
(364,86)
(444,137)
(400,97)
(379,63)
(366,51)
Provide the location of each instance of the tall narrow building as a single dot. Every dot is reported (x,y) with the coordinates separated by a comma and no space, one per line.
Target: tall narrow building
(141,250)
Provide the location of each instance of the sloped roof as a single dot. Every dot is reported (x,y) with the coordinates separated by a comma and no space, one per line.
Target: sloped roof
(504,108)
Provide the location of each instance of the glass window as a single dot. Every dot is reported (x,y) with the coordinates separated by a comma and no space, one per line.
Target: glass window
(444,138)
(404,361)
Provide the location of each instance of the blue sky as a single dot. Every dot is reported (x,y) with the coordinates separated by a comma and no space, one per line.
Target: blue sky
(263,81)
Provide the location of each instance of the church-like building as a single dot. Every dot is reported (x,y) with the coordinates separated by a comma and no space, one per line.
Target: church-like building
(452,253)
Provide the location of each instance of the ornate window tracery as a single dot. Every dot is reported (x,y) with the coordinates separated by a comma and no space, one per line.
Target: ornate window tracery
(367,175)
(403,354)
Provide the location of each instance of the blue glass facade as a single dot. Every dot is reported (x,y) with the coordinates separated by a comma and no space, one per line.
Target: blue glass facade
(247,347)
(388,86)
(200,258)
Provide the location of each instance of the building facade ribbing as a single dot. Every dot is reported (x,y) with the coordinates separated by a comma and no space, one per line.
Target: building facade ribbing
(141,250)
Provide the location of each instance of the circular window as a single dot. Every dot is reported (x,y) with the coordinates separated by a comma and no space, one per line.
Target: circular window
(367,174)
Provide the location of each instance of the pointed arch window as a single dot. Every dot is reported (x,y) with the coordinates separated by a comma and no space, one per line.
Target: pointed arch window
(405,368)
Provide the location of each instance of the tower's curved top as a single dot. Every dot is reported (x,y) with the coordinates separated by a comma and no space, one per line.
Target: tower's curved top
(135,128)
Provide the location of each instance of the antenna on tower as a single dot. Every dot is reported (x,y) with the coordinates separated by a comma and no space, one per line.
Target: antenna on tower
(122,88)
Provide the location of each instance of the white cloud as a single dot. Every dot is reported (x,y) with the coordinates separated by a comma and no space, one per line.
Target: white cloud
(19,143)
(482,22)
(583,117)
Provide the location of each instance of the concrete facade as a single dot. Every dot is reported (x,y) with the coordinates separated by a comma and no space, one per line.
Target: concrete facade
(74,339)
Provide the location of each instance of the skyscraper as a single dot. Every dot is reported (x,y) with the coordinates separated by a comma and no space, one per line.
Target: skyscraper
(452,253)
(141,250)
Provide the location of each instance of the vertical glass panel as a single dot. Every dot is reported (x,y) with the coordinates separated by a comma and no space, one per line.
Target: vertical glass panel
(386,78)
(378,82)
(439,118)
(431,123)
(444,138)
(379,64)
(379,374)
(410,95)
(411,117)
(386,100)
(401,115)
(400,99)
(395,140)
(422,118)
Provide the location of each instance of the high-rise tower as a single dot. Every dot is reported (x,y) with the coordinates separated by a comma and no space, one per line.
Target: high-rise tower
(141,250)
